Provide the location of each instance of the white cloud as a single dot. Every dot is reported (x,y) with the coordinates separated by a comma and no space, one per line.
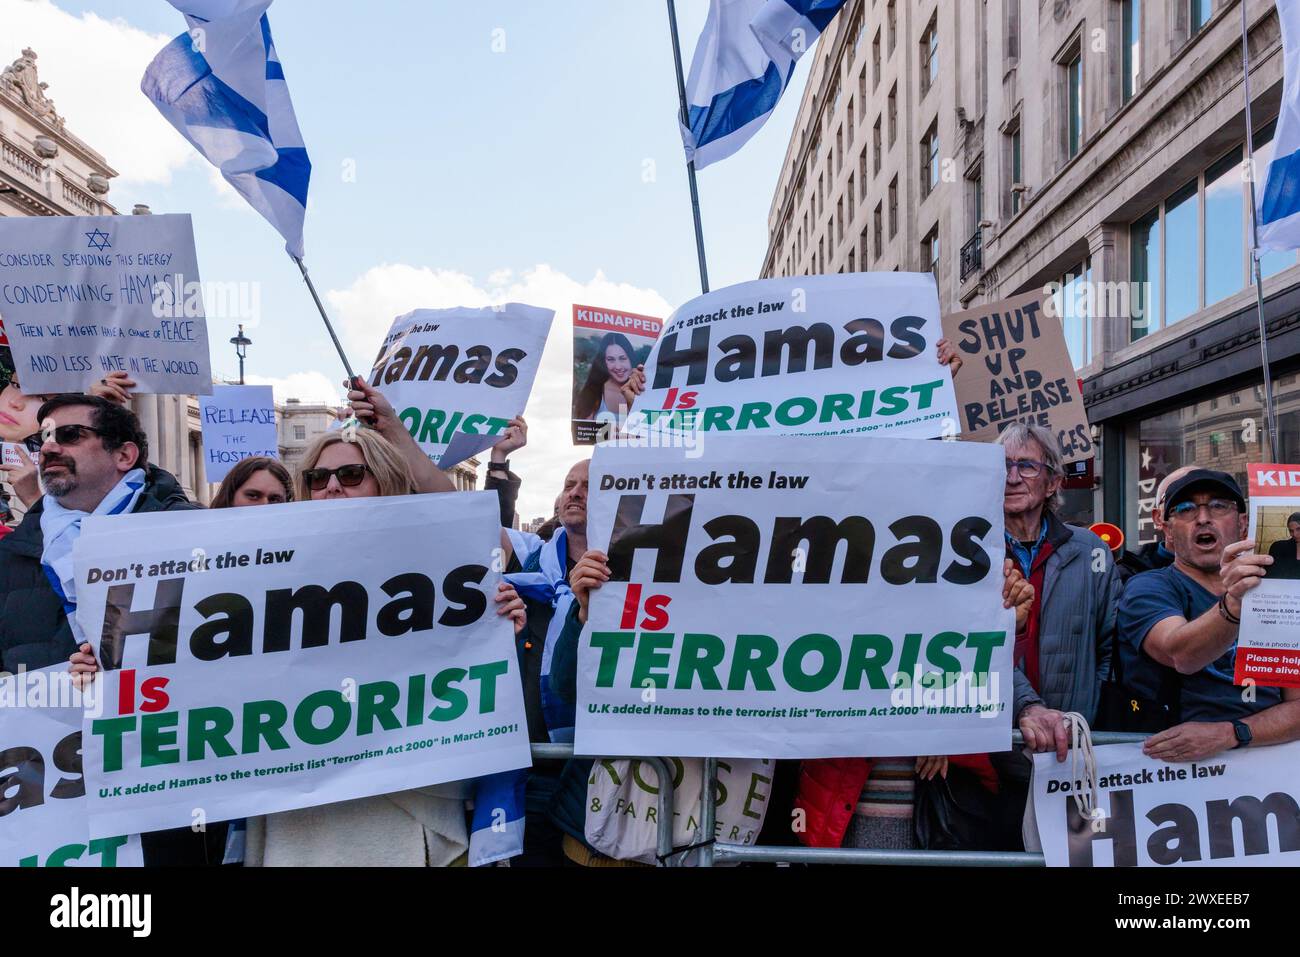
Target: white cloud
(307,386)
(93,67)
(366,309)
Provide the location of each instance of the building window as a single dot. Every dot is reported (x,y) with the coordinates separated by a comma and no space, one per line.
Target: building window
(850,195)
(930,161)
(1198,433)
(878,230)
(1225,225)
(1072,301)
(849,140)
(893,114)
(893,207)
(1072,101)
(300,433)
(1200,12)
(930,251)
(1011,17)
(1182,262)
(878,147)
(853,260)
(839,221)
(930,56)
(839,149)
(891,20)
(1144,274)
(1015,168)
(875,62)
(1131,14)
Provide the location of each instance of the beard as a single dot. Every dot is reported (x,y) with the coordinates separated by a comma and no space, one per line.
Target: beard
(62,484)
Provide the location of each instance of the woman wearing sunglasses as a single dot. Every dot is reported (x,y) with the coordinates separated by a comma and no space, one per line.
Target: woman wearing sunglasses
(422,827)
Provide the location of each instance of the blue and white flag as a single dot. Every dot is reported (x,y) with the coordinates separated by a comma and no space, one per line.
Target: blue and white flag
(221,85)
(742,65)
(1279,203)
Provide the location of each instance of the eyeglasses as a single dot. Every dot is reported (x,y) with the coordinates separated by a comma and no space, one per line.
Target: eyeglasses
(1028,468)
(349,476)
(65,435)
(1217,506)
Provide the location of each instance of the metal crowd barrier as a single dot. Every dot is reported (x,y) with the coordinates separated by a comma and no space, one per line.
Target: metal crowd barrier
(714,852)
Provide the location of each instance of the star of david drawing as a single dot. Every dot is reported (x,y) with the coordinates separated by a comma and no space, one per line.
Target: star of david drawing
(98,240)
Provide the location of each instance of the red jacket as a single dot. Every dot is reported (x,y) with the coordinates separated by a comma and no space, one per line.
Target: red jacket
(829,790)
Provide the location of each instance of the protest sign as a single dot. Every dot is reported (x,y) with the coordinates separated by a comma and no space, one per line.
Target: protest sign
(11,453)
(1017,368)
(42,792)
(84,296)
(797,598)
(608,345)
(1237,809)
(461,375)
(263,659)
(238,423)
(812,355)
(1268,643)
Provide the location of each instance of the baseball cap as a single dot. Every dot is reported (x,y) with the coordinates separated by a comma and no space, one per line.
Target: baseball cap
(1204,480)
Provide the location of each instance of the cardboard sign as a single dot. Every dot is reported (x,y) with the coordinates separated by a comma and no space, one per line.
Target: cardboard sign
(84,296)
(1268,644)
(238,423)
(1016,368)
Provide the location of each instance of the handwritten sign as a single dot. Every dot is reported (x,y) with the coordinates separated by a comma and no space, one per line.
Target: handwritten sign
(238,423)
(84,296)
(1016,368)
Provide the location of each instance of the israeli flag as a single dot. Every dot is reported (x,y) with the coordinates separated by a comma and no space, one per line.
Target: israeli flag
(1279,203)
(221,85)
(742,65)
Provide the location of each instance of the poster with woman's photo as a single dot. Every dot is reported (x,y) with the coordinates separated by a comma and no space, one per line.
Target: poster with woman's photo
(1268,649)
(609,349)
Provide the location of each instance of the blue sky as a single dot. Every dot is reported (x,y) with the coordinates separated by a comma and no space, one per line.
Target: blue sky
(467,161)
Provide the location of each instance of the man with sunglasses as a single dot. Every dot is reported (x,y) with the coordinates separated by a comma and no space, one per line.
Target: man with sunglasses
(1178,629)
(93,460)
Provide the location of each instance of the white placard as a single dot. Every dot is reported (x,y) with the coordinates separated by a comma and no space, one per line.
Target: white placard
(238,423)
(83,296)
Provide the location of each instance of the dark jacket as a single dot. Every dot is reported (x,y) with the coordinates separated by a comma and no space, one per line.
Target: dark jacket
(34,631)
(1148,558)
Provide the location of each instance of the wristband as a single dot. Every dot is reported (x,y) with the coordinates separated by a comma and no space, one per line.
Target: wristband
(1228,616)
(499,466)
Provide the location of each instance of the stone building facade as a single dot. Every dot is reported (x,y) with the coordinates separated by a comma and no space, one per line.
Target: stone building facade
(1096,146)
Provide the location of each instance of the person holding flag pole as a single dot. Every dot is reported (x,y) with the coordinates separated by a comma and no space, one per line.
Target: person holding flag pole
(221,85)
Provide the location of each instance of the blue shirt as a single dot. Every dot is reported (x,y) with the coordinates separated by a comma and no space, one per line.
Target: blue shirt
(1208,695)
(1023,554)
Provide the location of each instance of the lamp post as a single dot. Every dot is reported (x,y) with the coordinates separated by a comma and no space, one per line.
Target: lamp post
(241,343)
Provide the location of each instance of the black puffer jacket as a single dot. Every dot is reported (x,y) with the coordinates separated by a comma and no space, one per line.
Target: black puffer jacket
(34,631)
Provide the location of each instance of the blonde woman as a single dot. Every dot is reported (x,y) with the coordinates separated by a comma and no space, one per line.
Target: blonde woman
(422,827)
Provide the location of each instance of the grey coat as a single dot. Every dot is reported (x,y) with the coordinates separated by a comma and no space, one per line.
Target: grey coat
(1076,631)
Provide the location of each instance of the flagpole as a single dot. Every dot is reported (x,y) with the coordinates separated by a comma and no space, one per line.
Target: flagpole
(1269,408)
(690,167)
(330,328)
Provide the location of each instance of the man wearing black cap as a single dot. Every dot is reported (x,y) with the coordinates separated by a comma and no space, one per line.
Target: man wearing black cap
(1178,629)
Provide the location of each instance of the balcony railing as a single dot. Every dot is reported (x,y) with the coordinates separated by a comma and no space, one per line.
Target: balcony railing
(972,255)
